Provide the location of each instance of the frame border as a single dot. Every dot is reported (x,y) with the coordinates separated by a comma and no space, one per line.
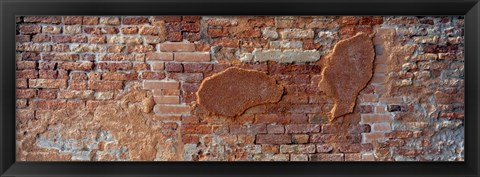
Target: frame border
(9,8)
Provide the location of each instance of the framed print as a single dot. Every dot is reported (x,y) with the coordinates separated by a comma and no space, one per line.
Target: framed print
(249,88)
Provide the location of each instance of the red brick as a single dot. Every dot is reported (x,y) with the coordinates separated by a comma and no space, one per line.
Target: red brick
(93,104)
(197,67)
(73,20)
(21,65)
(399,134)
(177,47)
(168,92)
(135,20)
(381,127)
(172,109)
(186,77)
(21,83)
(148,30)
(324,148)
(168,18)
(43,19)
(40,38)
(350,148)
(98,39)
(47,93)
(376,118)
(273,139)
(167,99)
(226,42)
(373,137)
(114,66)
(26,74)
(190,119)
(105,85)
(26,93)
(196,129)
(89,20)
(174,36)
(158,66)
(62,39)
(327,157)
(30,56)
(217,32)
(160,85)
(164,56)
(48,104)
(302,128)
(84,66)
(60,56)
(118,76)
(78,85)
(141,66)
(275,129)
(248,129)
(47,83)
(173,67)
(152,75)
(29,29)
(48,74)
(75,104)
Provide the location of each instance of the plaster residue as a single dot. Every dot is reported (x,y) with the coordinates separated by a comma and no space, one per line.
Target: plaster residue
(348,70)
(234,90)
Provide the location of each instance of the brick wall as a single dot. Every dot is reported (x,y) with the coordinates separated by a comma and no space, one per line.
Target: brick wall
(127,88)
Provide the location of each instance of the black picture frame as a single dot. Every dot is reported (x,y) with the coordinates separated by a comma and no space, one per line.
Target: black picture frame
(10,8)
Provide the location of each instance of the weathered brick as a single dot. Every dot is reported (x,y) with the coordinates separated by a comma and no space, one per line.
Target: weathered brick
(135,20)
(376,118)
(51,29)
(173,67)
(105,85)
(114,66)
(47,93)
(300,138)
(29,29)
(177,47)
(75,94)
(297,149)
(26,74)
(273,139)
(48,104)
(197,67)
(73,20)
(296,34)
(164,56)
(275,129)
(43,19)
(192,57)
(26,93)
(47,83)
(248,129)
(327,157)
(152,75)
(90,20)
(60,56)
(161,85)
(76,65)
(302,128)
(109,20)
(172,109)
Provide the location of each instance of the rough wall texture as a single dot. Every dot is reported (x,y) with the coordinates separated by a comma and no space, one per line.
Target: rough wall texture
(329,88)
